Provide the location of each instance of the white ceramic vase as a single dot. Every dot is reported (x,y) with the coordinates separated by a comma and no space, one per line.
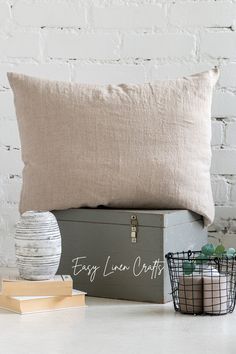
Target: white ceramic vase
(37,245)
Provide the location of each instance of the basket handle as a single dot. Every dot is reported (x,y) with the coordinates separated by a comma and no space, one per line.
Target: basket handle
(189,254)
(169,255)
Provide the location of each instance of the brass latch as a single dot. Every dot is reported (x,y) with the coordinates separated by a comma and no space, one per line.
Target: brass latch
(134,228)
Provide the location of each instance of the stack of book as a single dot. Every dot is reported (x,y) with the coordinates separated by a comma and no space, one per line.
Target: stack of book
(26,296)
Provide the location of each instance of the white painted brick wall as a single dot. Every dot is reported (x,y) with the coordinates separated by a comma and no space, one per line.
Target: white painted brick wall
(224,104)
(4,11)
(67,45)
(220,189)
(230,136)
(218,44)
(217,133)
(158,46)
(233,193)
(19,45)
(223,161)
(228,75)
(202,13)
(108,73)
(129,17)
(48,13)
(112,41)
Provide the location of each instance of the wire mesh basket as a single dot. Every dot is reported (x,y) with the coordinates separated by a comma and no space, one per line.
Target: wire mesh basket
(202,285)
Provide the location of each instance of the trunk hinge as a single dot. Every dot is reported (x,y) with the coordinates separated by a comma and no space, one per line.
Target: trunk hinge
(134,228)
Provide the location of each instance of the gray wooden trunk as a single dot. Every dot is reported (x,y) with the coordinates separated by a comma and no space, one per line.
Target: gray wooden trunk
(125,270)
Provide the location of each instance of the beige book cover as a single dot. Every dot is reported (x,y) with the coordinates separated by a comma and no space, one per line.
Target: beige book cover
(31,304)
(15,286)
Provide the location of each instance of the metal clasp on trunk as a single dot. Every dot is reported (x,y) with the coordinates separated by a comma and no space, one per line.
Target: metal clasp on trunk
(134,228)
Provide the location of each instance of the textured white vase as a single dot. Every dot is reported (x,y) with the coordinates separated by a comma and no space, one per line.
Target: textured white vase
(37,245)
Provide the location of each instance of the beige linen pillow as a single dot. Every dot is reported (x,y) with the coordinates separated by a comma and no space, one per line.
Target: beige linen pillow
(122,146)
